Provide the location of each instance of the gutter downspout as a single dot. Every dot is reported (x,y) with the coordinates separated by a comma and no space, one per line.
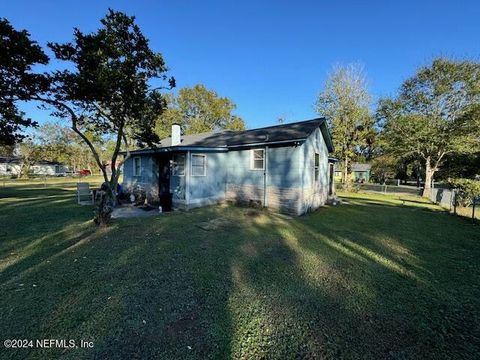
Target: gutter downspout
(187,180)
(265,173)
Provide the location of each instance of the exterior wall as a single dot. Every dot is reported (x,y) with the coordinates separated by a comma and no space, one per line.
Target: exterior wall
(357,175)
(208,189)
(41,169)
(288,179)
(282,179)
(47,169)
(9,169)
(314,193)
(148,178)
(354,175)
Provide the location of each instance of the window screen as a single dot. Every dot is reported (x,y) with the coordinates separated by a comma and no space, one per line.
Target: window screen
(137,166)
(199,165)
(258,159)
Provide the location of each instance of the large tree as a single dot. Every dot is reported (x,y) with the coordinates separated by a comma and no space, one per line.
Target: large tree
(198,109)
(107,90)
(18,53)
(435,114)
(60,143)
(344,102)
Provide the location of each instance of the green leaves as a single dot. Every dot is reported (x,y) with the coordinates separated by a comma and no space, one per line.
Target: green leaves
(469,187)
(434,113)
(198,109)
(110,84)
(345,104)
(18,53)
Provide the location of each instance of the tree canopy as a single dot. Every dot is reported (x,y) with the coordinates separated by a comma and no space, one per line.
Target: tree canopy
(345,102)
(196,110)
(18,54)
(434,114)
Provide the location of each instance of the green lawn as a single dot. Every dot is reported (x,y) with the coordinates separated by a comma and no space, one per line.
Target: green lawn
(371,278)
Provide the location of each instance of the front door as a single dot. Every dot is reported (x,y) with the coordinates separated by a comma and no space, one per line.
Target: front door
(164,183)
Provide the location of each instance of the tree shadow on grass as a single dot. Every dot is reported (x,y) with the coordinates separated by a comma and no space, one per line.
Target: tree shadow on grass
(338,283)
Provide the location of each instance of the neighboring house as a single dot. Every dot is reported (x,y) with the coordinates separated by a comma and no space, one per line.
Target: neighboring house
(285,168)
(11,166)
(360,172)
(50,168)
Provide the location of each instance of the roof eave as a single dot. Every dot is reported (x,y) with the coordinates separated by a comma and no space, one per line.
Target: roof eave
(291,141)
(174,149)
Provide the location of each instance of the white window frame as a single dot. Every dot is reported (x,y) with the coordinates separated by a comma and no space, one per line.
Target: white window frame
(204,164)
(134,167)
(174,173)
(316,168)
(252,158)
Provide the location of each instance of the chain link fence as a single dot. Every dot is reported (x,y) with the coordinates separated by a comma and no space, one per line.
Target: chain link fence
(457,202)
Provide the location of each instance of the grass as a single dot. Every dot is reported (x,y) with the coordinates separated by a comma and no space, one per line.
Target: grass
(372,278)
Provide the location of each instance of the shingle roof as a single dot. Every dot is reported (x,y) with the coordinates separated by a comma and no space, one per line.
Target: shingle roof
(356,167)
(10,159)
(361,167)
(272,134)
(17,160)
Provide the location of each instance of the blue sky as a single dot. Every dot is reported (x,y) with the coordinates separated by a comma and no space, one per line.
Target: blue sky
(272,57)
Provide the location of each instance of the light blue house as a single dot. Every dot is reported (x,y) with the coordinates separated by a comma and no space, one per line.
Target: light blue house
(285,168)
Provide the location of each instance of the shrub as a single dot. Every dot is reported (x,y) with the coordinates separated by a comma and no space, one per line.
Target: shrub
(468,189)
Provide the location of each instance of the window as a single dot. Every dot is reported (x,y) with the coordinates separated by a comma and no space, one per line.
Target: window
(178,165)
(257,159)
(137,166)
(317,166)
(199,165)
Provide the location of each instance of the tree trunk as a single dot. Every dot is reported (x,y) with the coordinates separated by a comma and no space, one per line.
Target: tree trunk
(429,172)
(345,171)
(104,204)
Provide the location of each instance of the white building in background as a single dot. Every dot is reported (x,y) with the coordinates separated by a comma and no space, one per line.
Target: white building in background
(11,166)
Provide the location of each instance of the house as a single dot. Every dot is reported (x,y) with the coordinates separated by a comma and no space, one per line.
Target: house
(11,166)
(285,168)
(360,172)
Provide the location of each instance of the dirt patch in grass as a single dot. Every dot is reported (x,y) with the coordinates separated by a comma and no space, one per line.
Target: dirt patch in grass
(215,224)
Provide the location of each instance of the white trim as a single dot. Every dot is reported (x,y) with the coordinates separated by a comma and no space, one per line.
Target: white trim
(252,156)
(269,143)
(204,164)
(134,168)
(316,169)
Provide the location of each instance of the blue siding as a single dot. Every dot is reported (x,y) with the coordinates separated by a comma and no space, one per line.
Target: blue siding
(288,167)
(282,163)
(212,185)
(148,172)
(315,143)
